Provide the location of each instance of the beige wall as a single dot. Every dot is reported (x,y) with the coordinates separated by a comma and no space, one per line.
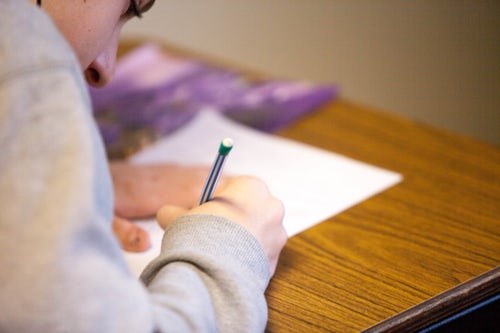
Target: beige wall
(435,61)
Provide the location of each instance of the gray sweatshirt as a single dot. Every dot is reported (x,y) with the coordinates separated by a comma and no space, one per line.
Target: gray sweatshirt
(61,268)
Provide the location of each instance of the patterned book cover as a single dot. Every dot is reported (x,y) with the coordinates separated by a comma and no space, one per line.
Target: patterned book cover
(154,93)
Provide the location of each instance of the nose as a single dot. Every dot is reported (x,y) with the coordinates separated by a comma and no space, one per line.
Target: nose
(100,72)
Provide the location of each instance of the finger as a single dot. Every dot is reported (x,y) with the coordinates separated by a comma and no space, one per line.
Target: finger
(131,237)
(169,213)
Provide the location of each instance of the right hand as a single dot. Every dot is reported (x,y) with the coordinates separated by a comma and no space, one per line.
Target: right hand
(247,201)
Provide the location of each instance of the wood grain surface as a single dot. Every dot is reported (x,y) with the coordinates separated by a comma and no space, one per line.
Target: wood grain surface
(438,228)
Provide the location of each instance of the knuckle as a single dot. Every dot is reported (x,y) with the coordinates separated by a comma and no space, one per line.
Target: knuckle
(253,181)
(163,213)
(254,184)
(284,237)
(279,208)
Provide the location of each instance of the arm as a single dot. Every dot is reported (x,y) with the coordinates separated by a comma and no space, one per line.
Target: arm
(60,258)
(233,259)
(62,268)
(220,288)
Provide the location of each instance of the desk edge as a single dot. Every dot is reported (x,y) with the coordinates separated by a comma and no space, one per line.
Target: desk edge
(442,305)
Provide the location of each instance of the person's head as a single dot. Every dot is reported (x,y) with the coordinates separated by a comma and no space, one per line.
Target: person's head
(92,28)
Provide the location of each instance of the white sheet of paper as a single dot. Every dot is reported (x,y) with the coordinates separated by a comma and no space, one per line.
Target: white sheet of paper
(313,184)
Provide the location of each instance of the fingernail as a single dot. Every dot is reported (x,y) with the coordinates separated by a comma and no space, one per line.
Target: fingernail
(134,238)
(138,240)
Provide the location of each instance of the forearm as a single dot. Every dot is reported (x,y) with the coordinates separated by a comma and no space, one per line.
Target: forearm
(217,272)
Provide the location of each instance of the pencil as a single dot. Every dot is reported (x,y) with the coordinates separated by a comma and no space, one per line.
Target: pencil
(225,147)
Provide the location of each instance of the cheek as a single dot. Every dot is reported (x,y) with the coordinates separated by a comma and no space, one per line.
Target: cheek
(90,36)
(89,45)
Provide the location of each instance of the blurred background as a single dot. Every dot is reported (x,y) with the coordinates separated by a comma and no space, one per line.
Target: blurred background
(434,61)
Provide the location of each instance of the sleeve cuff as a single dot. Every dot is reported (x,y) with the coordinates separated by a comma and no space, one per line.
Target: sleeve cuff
(201,238)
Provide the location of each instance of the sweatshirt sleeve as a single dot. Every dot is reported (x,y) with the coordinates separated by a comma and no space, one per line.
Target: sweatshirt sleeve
(61,267)
(218,273)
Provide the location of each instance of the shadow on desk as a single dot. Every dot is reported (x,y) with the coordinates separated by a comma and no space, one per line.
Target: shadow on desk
(482,317)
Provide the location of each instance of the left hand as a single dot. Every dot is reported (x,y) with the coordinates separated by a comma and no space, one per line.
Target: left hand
(140,191)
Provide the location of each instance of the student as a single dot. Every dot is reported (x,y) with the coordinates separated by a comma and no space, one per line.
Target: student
(62,269)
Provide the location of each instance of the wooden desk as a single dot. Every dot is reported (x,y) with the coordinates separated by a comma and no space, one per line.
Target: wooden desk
(437,229)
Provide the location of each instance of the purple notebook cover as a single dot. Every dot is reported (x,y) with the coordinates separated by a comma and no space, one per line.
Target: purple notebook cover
(154,93)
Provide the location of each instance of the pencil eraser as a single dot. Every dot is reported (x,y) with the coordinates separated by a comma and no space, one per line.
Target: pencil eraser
(225,146)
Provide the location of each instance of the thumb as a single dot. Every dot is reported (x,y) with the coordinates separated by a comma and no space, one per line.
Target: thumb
(168,213)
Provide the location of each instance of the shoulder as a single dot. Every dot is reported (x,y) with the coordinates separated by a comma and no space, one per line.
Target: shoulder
(29,41)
